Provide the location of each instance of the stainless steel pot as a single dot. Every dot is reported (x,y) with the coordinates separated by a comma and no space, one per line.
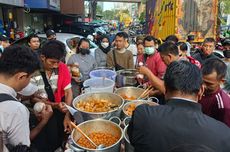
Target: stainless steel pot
(129,91)
(114,98)
(128,146)
(137,103)
(126,77)
(99,125)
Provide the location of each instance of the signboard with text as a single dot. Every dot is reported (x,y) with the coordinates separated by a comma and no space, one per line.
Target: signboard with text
(55,4)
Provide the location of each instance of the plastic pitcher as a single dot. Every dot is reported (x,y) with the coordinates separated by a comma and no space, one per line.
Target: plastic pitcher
(98,85)
(110,74)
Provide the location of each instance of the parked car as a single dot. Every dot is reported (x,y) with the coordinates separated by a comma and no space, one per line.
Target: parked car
(83,28)
(66,38)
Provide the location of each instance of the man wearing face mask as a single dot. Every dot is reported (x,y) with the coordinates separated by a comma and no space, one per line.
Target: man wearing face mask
(101,52)
(151,58)
(226,45)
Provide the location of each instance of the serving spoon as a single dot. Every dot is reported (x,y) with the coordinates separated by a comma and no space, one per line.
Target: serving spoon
(101,146)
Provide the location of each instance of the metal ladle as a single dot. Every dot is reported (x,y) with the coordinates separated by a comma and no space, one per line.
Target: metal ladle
(101,146)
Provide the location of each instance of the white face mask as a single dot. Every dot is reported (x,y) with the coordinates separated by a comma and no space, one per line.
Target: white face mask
(104,44)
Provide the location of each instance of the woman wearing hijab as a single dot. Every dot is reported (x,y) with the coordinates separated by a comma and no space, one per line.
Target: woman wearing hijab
(101,52)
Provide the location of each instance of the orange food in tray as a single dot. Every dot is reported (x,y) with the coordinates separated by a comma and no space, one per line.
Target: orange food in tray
(98,138)
(129,110)
(95,105)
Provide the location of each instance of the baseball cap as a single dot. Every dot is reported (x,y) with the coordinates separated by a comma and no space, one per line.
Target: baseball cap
(226,42)
(3,38)
(50,32)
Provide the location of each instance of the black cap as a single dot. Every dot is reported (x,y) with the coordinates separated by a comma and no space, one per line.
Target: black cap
(50,32)
(191,37)
(3,38)
(226,42)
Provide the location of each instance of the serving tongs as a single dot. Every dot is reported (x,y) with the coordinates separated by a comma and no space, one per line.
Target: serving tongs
(145,93)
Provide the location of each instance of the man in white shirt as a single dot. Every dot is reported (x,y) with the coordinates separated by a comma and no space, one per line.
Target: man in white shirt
(17,64)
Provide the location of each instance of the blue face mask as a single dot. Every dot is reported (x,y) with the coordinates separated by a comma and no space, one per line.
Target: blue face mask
(149,50)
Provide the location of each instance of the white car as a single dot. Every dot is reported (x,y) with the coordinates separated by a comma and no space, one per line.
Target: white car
(66,38)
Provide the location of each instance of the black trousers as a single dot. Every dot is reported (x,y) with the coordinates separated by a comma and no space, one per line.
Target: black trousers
(52,135)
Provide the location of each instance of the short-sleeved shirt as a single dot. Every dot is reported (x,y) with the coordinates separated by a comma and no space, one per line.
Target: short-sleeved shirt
(14,119)
(86,63)
(217,105)
(38,81)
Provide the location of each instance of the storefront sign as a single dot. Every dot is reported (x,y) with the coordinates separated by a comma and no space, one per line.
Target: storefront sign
(13,2)
(55,4)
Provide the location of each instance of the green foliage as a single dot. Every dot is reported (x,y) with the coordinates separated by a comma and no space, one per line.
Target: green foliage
(99,10)
(125,11)
(226,6)
(142,17)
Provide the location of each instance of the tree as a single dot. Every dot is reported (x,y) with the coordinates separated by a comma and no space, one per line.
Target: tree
(142,17)
(125,11)
(226,6)
(99,10)
(108,14)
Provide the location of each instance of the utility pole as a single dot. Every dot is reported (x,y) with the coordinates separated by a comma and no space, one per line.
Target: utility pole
(93,8)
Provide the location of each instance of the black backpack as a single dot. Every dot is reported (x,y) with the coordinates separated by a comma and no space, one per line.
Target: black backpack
(18,148)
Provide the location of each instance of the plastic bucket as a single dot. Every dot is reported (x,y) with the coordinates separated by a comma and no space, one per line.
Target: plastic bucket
(98,85)
(110,74)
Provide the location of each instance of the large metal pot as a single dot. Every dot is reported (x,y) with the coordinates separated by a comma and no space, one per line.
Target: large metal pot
(114,98)
(126,77)
(134,92)
(137,103)
(128,146)
(99,125)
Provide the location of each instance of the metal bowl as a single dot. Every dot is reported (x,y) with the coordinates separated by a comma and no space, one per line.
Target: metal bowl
(113,98)
(137,103)
(99,125)
(129,91)
(126,77)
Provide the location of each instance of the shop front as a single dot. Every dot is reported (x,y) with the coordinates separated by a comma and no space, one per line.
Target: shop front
(10,17)
(42,15)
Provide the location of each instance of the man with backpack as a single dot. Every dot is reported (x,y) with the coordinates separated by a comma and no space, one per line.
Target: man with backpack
(17,65)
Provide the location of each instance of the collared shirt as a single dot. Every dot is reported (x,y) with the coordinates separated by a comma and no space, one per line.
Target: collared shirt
(202,58)
(217,105)
(161,128)
(154,63)
(14,119)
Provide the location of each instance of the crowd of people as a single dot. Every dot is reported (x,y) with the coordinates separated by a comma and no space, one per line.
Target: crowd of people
(193,87)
